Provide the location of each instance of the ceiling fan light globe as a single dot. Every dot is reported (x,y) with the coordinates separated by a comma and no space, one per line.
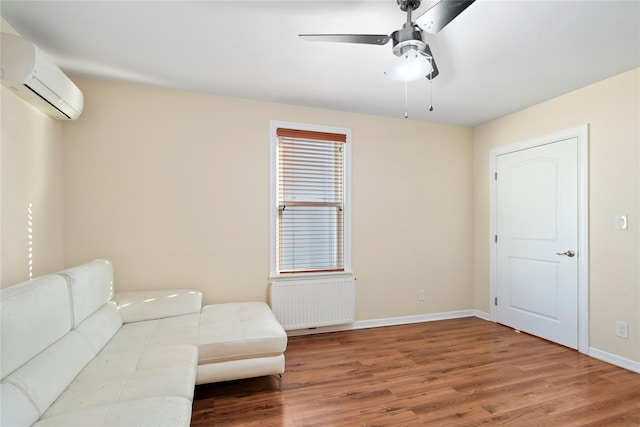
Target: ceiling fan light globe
(411,65)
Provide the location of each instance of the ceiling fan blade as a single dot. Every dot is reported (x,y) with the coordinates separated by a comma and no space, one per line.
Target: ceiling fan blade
(379,39)
(440,14)
(432,75)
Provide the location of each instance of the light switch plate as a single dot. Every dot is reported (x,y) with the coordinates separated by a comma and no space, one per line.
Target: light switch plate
(621,222)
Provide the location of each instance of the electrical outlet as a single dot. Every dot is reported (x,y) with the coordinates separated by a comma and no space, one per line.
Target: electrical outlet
(421,295)
(622,222)
(622,329)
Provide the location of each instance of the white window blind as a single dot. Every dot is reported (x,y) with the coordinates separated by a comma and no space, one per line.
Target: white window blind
(310,196)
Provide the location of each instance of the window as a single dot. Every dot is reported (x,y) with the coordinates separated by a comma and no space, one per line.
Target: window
(310,194)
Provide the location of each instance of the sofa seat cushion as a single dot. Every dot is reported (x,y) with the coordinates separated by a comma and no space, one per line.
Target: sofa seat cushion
(143,360)
(169,411)
(239,331)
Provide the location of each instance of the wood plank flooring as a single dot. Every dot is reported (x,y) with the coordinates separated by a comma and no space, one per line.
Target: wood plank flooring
(461,372)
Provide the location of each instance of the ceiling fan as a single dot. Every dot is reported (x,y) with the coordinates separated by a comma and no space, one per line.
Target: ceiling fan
(415,59)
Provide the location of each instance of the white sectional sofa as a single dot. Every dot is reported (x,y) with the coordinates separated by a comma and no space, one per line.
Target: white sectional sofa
(73,353)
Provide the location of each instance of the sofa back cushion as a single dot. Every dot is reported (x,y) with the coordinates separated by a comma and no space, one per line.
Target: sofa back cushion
(138,306)
(16,409)
(101,326)
(40,356)
(34,315)
(47,375)
(91,286)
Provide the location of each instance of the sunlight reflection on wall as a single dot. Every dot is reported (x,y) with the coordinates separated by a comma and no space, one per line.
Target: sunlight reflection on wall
(30,239)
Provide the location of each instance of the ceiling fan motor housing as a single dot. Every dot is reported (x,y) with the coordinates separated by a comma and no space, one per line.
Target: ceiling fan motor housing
(408,4)
(409,37)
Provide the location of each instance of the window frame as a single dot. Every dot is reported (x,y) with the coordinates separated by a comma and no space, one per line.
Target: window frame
(273,199)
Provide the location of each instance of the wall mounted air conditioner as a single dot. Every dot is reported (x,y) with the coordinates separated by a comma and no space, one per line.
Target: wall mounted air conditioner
(26,71)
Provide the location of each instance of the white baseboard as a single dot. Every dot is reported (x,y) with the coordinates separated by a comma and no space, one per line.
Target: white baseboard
(622,362)
(391,321)
(405,320)
(482,315)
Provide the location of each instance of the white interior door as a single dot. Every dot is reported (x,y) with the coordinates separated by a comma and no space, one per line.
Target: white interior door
(537,241)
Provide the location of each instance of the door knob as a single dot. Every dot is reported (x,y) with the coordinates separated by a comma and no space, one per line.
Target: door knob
(569,253)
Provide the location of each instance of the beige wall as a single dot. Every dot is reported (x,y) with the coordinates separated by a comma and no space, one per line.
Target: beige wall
(611,108)
(174,188)
(31,173)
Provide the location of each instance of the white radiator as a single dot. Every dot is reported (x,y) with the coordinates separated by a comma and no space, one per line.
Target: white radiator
(310,303)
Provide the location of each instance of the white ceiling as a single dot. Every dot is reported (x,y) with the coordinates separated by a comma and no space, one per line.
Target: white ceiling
(497,57)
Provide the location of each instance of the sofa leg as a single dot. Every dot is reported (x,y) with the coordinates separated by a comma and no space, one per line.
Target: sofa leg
(279,377)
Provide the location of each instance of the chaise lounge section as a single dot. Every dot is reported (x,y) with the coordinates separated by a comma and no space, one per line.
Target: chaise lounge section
(239,340)
(74,353)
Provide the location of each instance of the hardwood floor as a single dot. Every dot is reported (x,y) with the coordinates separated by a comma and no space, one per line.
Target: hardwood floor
(461,372)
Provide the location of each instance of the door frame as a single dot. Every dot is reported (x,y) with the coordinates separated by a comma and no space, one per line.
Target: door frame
(582,135)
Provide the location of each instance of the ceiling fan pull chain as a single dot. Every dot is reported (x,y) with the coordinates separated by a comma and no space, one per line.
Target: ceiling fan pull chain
(431,86)
(406,109)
